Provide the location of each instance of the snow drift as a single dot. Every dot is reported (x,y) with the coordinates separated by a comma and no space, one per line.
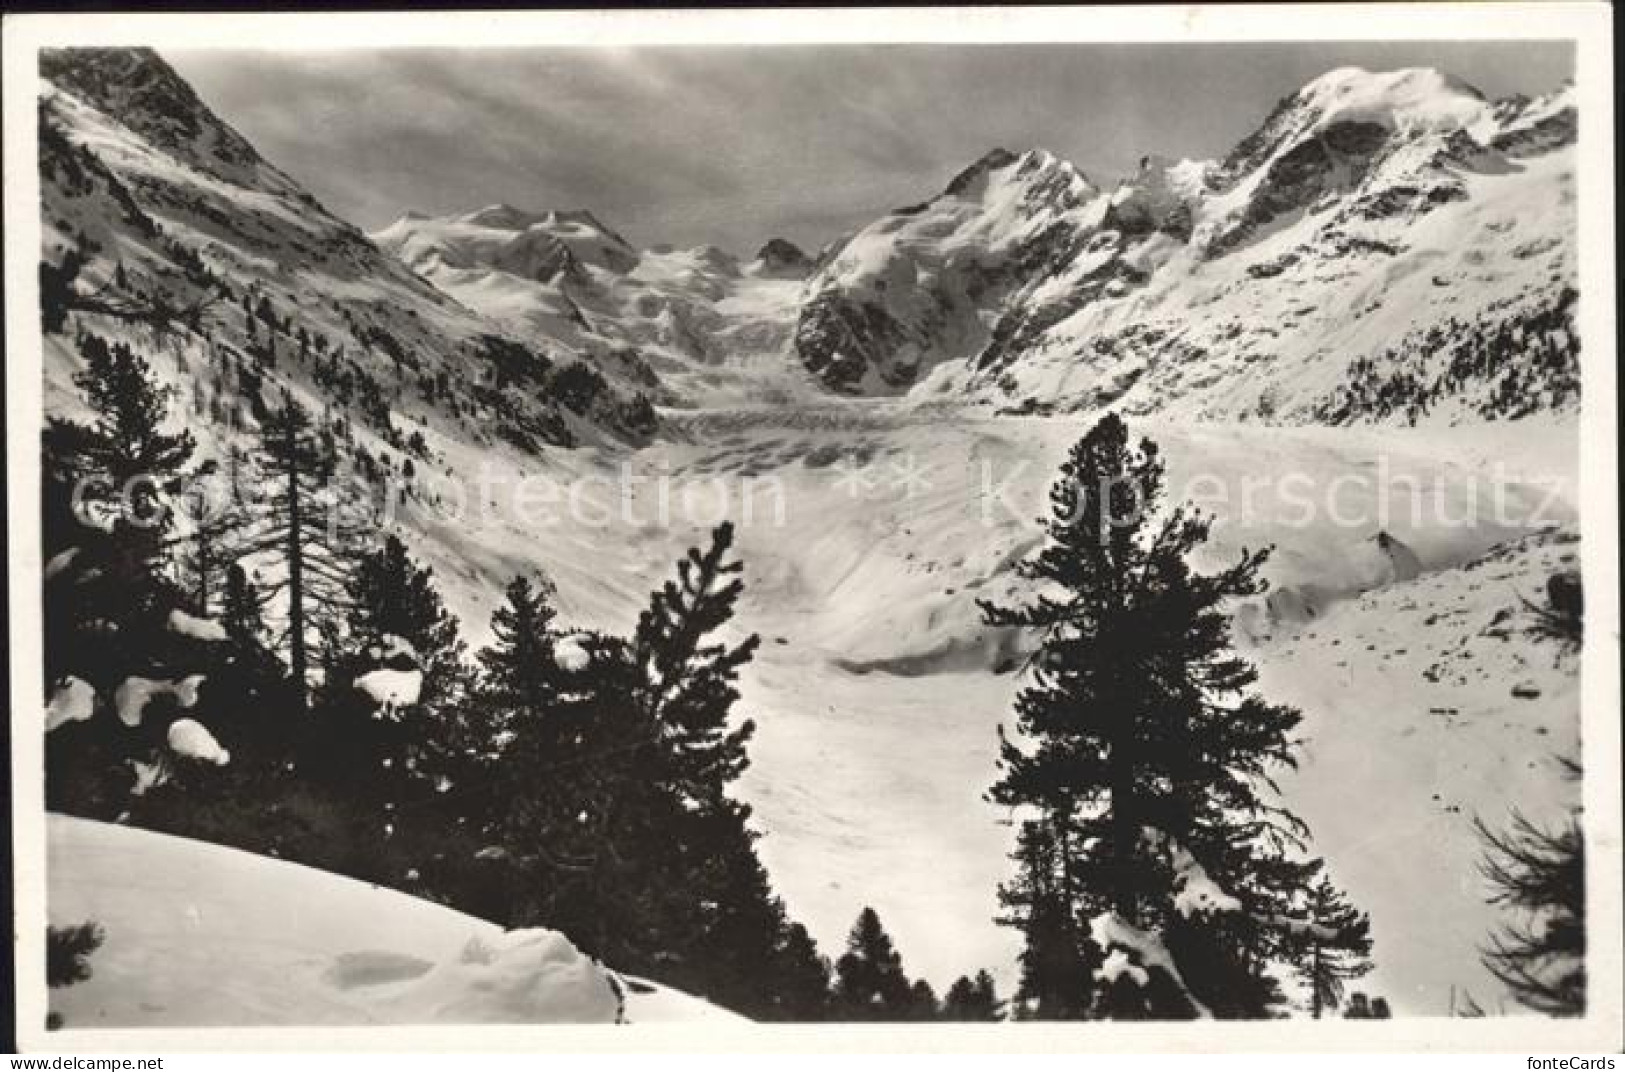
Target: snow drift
(199,935)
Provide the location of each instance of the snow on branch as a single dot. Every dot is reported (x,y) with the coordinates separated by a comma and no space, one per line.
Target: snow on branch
(1133,952)
(1195,892)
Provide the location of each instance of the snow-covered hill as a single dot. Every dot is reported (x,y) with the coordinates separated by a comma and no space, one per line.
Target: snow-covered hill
(202,936)
(1329,268)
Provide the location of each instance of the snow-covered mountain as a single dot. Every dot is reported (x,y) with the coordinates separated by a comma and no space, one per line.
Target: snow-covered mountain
(687,325)
(178,222)
(1365,254)
(923,285)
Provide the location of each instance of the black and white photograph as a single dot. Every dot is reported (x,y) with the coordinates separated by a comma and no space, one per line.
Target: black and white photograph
(989,524)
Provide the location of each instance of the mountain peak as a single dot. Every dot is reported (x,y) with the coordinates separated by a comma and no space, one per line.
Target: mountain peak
(1401,80)
(501,215)
(148,96)
(992,160)
(1404,99)
(781,257)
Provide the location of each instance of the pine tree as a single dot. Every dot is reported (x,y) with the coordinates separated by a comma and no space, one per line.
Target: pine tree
(520,679)
(870,983)
(127,465)
(1539,874)
(252,684)
(1058,958)
(803,977)
(565,791)
(725,928)
(1139,740)
(922,1001)
(1335,946)
(1361,1007)
(395,620)
(105,492)
(972,999)
(596,814)
(390,595)
(130,409)
(686,690)
(309,530)
(690,678)
(218,519)
(67,953)
(56,289)
(241,610)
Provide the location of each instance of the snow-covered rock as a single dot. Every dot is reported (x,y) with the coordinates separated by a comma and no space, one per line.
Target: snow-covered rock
(133,695)
(1403,565)
(75,701)
(188,625)
(780,258)
(530,976)
(392,687)
(190,738)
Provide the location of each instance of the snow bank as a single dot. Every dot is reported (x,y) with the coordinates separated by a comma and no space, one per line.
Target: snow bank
(516,977)
(75,701)
(189,625)
(392,686)
(136,693)
(204,936)
(189,737)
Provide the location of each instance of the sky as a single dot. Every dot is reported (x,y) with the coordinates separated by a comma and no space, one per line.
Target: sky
(732,146)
